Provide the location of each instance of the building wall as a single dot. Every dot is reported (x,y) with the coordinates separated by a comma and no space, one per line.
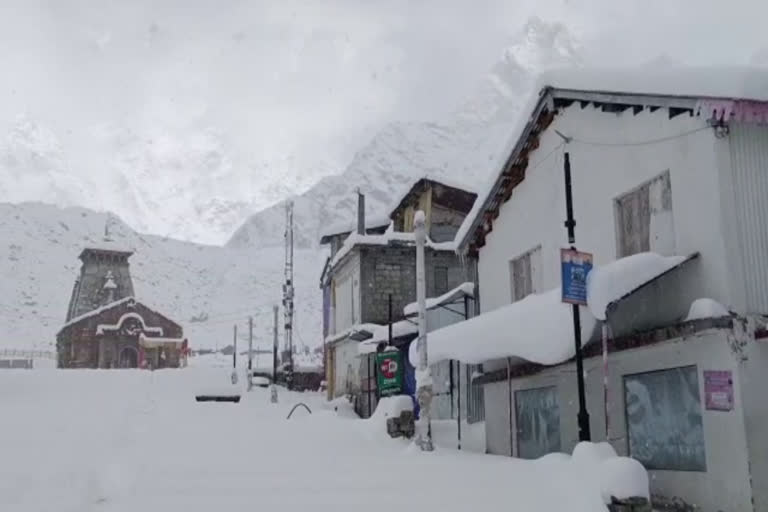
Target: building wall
(392,270)
(346,374)
(725,484)
(346,294)
(753,385)
(745,199)
(600,174)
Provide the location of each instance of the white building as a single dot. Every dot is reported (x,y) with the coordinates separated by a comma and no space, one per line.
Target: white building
(676,166)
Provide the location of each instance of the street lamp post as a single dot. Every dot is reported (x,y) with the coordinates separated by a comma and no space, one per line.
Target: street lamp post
(570,224)
(423,375)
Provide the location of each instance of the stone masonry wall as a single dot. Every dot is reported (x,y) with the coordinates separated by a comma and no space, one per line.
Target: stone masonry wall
(392,270)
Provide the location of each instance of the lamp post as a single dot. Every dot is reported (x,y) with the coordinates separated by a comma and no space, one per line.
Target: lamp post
(423,375)
(570,225)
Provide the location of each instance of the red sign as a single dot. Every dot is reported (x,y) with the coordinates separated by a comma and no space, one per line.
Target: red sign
(718,390)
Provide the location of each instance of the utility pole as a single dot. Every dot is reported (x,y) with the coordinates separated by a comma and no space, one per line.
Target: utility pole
(288,294)
(250,353)
(570,224)
(234,355)
(273,387)
(423,375)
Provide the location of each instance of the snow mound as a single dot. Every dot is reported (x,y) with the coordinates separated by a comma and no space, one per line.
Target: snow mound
(614,476)
(706,308)
(611,282)
(391,406)
(538,328)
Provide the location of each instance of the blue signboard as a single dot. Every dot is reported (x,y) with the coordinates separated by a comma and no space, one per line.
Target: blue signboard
(575,267)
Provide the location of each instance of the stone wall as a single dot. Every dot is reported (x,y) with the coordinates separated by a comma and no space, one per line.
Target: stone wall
(392,270)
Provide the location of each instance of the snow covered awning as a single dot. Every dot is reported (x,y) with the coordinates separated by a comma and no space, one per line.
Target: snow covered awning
(539,328)
(610,283)
(160,342)
(340,228)
(449,297)
(381,334)
(357,332)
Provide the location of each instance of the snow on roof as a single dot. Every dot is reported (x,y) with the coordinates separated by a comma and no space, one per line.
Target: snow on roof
(381,333)
(339,228)
(538,328)
(461,291)
(153,342)
(452,182)
(706,308)
(700,82)
(672,82)
(387,238)
(611,282)
(97,311)
(355,329)
(109,245)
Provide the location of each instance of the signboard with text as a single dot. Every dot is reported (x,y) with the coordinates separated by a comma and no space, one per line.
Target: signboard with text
(718,390)
(389,373)
(575,267)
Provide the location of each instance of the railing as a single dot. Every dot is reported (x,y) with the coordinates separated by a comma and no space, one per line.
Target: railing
(28,354)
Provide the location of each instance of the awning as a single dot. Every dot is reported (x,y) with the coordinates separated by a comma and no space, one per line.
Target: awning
(450,297)
(381,334)
(160,342)
(539,328)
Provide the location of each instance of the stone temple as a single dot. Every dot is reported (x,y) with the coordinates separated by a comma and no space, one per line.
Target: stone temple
(106,327)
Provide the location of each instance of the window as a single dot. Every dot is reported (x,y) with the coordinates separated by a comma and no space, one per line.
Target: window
(644,219)
(441,280)
(524,273)
(664,424)
(538,422)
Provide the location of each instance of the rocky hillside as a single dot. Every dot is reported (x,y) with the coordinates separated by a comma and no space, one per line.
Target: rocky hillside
(459,148)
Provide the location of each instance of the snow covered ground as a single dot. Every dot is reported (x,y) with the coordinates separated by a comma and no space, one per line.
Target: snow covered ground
(130,440)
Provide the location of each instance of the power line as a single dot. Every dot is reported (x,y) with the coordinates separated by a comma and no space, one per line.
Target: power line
(640,143)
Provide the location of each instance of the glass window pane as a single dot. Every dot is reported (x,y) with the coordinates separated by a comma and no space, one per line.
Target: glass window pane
(538,422)
(664,423)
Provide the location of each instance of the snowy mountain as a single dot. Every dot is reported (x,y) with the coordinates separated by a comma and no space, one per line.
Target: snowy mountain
(207,289)
(458,148)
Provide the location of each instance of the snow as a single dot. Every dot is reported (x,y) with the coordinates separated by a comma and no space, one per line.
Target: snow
(390,237)
(72,445)
(114,327)
(464,289)
(715,82)
(204,288)
(698,82)
(338,228)
(706,308)
(620,477)
(610,282)
(538,328)
(98,311)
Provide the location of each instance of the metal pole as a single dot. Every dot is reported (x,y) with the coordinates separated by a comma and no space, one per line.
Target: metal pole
(368,365)
(250,353)
(458,404)
(509,407)
(423,375)
(273,386)
(234,353)
(389,337)
(570,224)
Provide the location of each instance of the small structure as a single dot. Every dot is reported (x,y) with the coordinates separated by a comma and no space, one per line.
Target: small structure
(107,327)
(365,270)
(670,197)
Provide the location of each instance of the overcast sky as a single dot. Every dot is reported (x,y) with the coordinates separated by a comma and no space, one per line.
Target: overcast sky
(311,78)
